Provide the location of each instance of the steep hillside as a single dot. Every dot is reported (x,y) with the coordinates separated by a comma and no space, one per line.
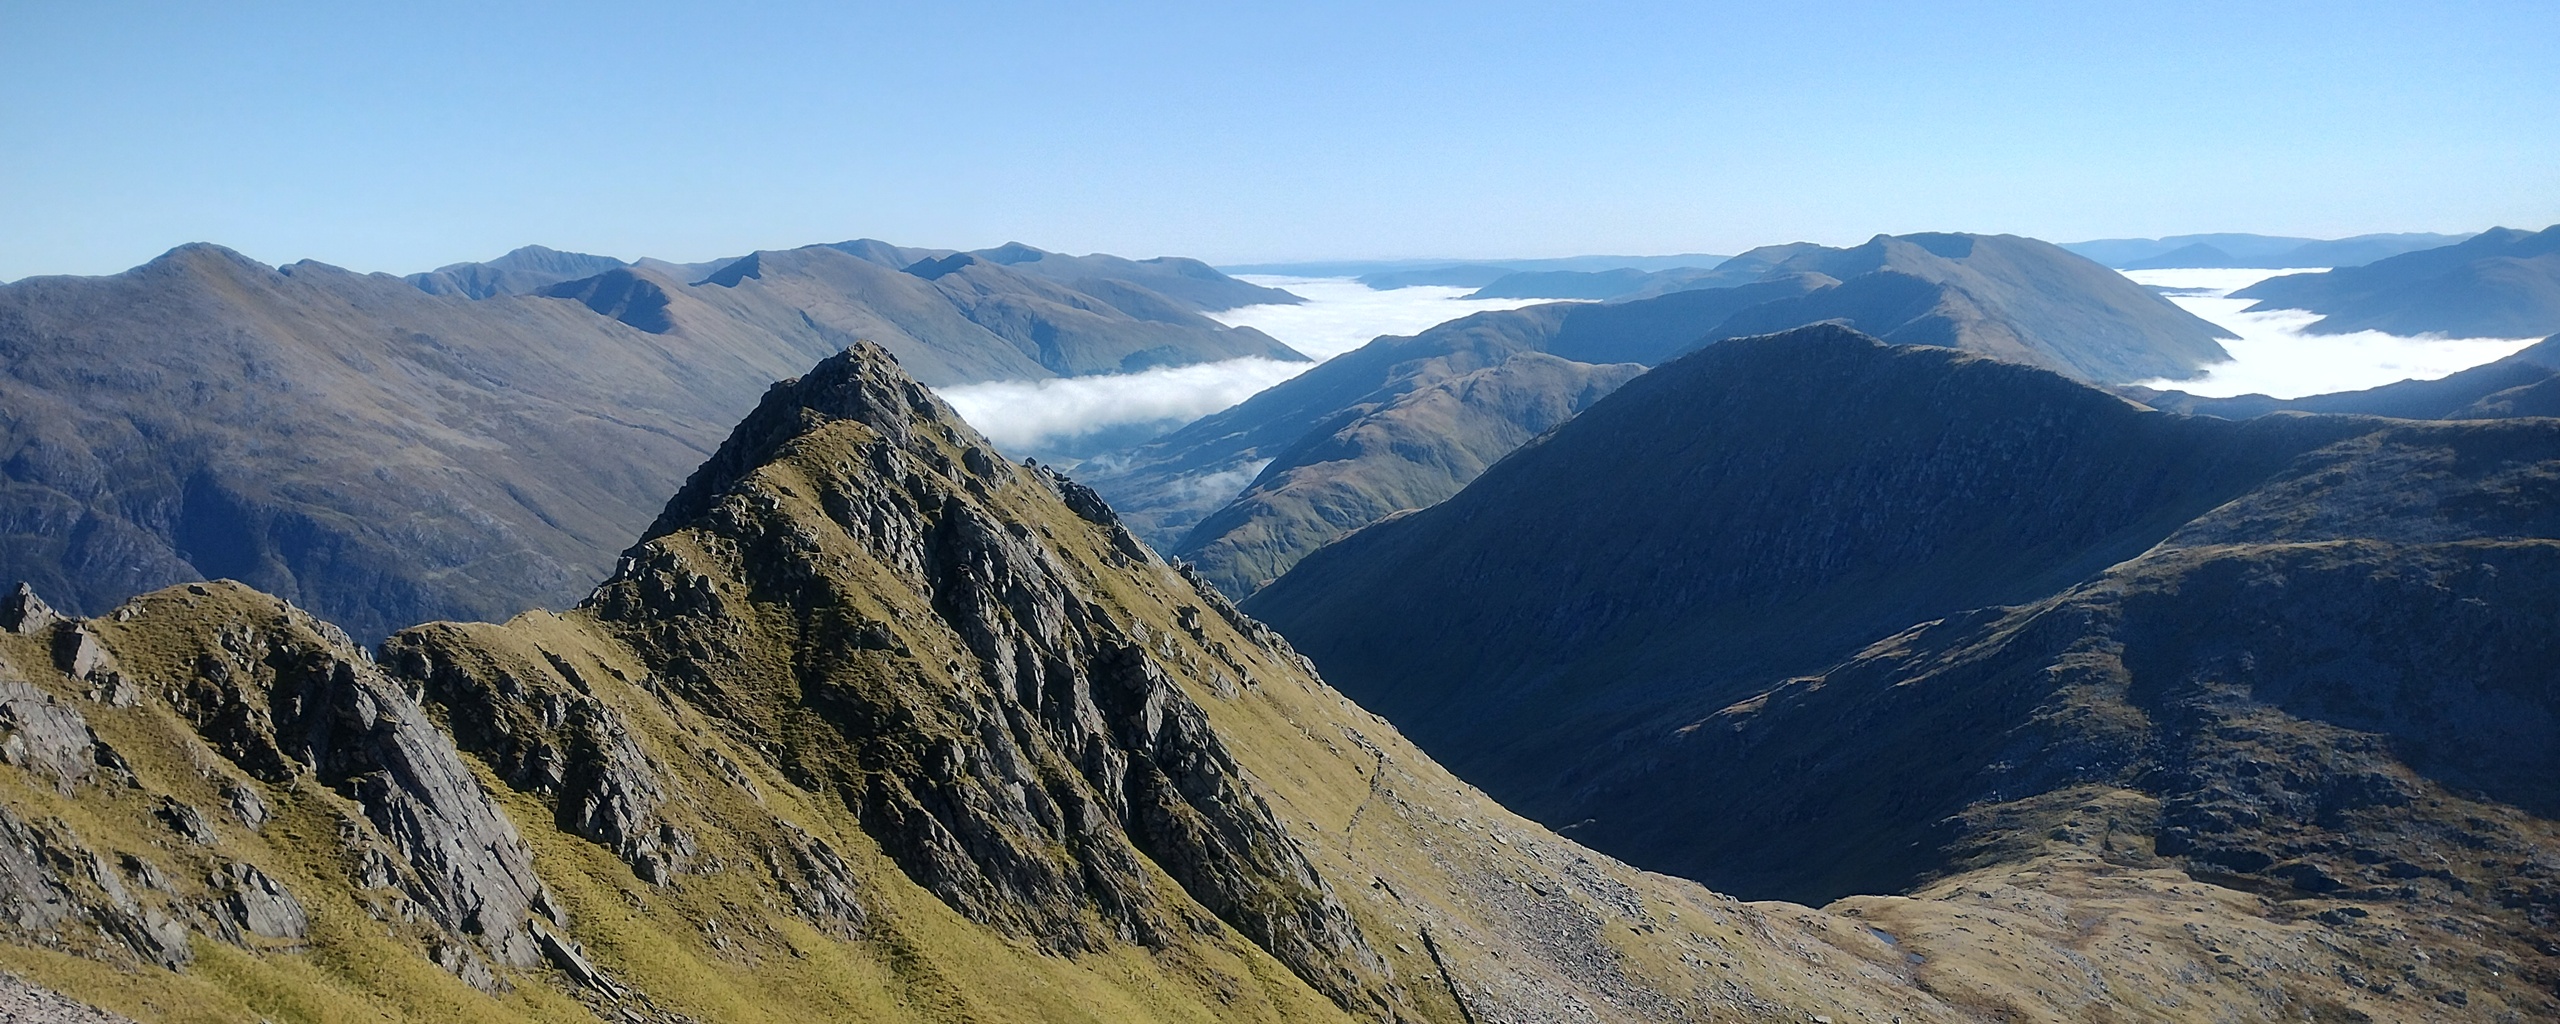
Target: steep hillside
(1761,506)
(1999,295)
(382,453)
(1806,617)
(2501,283)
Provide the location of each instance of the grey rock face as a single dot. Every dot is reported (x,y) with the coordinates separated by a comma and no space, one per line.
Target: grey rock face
(281,702)
(49,881)
(24,613)
(44,736)
(544,732)
(260,905)
(77,652)
(32,898)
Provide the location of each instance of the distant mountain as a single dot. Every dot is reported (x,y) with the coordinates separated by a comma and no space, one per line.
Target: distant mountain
(1389,274)
(1606,284)
(1188,281)
(2501,283)
(2246,250)
(1261,460)
(2493,390)
(1807,616)
(1494,282)
(382,453)
(2196,255)
(520,272)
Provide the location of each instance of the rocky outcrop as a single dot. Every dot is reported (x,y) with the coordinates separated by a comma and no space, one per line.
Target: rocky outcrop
(25,613)
(1048,760)
(285,697)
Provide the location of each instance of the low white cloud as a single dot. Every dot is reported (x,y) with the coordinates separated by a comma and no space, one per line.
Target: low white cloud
(1210,490)
(1029,416)
(1065,419)
(1342,314)
(2273,356)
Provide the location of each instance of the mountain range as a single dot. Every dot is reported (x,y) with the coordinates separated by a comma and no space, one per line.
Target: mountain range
(2501,283)
(2246,250)
(483,438)
(1809,616)
(874,724)
(1407,273)
(1406,421)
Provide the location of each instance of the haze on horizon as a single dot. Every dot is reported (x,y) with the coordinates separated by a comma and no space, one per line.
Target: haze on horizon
(399,139)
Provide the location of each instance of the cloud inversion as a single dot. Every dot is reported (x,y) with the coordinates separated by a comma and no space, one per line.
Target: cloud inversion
(2274,357)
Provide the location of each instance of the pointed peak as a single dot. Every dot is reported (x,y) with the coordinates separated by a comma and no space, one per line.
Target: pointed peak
(204,257)
(1011,253)
(863,384)
(23,613)
(738,270)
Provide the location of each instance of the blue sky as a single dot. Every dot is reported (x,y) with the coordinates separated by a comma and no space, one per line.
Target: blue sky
(400,137)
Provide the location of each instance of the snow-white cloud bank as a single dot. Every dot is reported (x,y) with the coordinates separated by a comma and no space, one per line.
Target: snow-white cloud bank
(1064,419)
(1342,314)
(1030,416)
(2274,357)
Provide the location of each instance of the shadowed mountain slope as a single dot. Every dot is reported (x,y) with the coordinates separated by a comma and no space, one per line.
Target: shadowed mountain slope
(1805,616)
(1706,521)
(383,455)
(1999,295)
(876,726)
(2501,283)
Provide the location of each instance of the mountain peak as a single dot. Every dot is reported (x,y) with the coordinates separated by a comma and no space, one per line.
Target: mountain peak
(204,257)
(1011,253)
(862,384)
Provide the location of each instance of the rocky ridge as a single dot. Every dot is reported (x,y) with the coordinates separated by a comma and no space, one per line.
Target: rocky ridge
(875,725)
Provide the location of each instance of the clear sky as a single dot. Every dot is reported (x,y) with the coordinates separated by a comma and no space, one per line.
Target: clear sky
(403,136)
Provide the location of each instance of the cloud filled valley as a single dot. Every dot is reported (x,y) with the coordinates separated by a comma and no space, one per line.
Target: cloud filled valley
(2275,356)
(1067,419)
